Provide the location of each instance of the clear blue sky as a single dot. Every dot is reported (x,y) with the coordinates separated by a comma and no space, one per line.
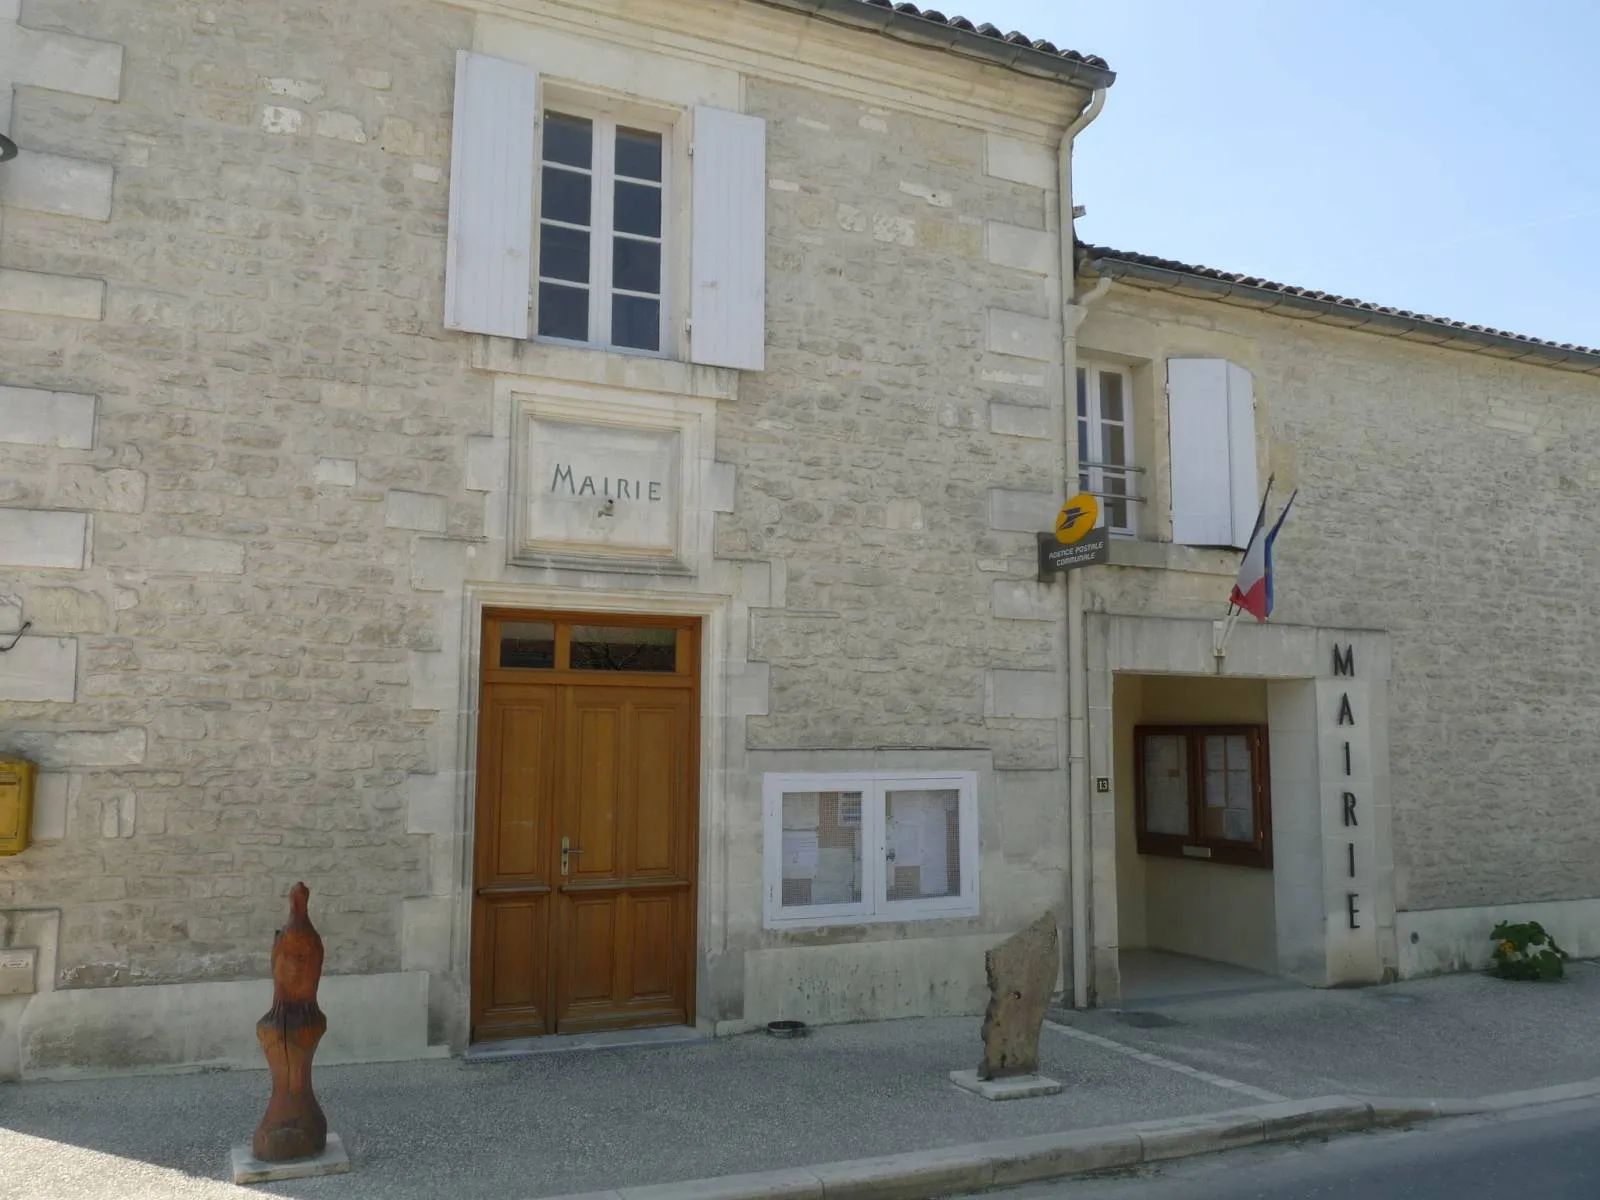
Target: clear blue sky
(1437,155)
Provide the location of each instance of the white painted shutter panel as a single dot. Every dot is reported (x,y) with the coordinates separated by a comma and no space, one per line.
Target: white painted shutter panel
(488,263)
(1200,442)
(728,303)
(1242,454)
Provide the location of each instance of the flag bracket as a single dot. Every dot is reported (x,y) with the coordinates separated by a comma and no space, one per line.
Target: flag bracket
(1221,631)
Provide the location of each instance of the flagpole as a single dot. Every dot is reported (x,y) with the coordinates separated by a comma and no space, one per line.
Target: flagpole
(1223,629)
(1220,645)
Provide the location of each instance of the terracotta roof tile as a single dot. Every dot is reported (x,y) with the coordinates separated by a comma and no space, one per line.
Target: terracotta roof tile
(990,31)
(1098,254)
(972,33)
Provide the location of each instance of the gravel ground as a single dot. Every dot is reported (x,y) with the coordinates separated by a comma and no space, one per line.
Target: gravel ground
(573,1122)
(1456,1036)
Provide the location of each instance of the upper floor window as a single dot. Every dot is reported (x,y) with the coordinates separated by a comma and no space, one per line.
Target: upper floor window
(1105,444)
(602,227)
(584,229)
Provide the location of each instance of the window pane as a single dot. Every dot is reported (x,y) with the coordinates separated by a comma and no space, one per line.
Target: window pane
(624,648)
(923,849)
(1238,752)
(1113,439)
(1085,450)
(821,848)
(636,323)
(564,253)
(636,266)
(1110,396)
(1240,793)
(1116,514)
(1083,395)
(638,209)
(565,196)
(528,644)
(563,312)
(568,140)
(638,154)
(1166,784)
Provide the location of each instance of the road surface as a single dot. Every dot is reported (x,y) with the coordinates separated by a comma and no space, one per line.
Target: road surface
(1549,1153)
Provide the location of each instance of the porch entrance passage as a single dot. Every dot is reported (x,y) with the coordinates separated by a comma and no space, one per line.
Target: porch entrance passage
(586,822)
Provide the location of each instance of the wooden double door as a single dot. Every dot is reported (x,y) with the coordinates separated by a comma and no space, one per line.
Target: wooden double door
(587,814)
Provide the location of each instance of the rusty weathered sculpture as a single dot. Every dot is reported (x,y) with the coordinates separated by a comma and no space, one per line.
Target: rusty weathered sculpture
(1022,973)
(294,1126)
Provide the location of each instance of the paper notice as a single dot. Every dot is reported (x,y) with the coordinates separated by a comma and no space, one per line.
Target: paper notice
(799,855)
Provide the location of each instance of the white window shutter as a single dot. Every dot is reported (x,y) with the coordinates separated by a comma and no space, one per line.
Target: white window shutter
(1242,454)
(489,259)
(1201,447)
(728,300)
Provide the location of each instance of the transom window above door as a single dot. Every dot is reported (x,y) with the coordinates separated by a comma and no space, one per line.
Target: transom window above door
(513,643)
(602,229)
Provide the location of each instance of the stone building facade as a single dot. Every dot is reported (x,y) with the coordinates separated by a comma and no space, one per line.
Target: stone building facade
(1420,677)
(266,472)
(563,477)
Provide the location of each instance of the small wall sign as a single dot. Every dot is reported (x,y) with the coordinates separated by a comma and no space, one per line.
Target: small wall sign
(1092,548)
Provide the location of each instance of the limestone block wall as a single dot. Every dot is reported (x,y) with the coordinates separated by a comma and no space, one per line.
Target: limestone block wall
(1444,497)
(250,488)
(205,469)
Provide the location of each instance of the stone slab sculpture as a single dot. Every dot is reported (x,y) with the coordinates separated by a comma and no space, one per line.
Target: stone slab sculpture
(293,1139)
(1022,974)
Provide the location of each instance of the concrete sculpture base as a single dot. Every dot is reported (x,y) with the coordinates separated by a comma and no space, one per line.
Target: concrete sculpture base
(1012,1087)
(247,1168)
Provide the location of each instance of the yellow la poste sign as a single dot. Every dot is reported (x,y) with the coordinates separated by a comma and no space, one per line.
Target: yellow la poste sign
(1076,518)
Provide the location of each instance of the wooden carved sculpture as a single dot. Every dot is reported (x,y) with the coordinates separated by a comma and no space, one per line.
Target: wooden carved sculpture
(294,1126)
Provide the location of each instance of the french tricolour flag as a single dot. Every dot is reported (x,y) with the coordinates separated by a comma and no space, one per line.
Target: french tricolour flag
(1253,590)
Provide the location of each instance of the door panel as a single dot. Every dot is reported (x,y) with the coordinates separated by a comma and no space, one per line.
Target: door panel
(524,795)
(602,937)
(590,975)
(595,754)
(654,943)
(637,789)
(515,933)
(656,773)
(513,900)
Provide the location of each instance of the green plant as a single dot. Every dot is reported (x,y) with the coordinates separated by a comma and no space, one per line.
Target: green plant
(1523,950)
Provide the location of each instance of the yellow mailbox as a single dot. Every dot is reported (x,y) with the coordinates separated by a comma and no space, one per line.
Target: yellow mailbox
(16,804)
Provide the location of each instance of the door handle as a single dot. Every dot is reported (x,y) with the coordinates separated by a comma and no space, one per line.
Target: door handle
(567,850)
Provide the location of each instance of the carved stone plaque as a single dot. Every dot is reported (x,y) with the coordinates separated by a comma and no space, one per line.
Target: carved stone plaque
(601,491)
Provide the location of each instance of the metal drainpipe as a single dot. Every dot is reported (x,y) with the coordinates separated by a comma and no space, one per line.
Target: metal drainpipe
(1074,726)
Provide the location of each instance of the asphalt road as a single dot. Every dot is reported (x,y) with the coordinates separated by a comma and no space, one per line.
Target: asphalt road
(1551,1153)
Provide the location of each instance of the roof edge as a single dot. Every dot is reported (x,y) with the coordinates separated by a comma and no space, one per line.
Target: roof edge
(1342,313)
(1029,57)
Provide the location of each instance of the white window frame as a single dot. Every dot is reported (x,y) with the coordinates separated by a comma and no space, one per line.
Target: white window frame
(606,117)
(1093,479)
(873,786)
